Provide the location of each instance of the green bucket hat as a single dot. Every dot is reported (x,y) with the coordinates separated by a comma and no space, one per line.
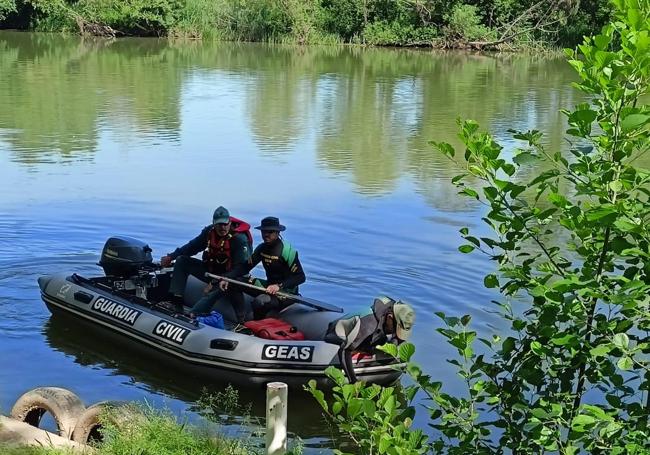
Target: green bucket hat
(404,320)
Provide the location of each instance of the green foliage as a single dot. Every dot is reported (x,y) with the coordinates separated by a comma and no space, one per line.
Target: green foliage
(385,34)
(254,20)
(589,17)
(380,22)
(52,15)
(226,408)
(306,20)
(344,18)
(143,17)
(198,19)
(394,34)
(219,407)
(378,420)
(464,24)
(6,7)
(572,245)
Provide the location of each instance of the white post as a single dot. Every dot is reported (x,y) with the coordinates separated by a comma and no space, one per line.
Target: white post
(276,418)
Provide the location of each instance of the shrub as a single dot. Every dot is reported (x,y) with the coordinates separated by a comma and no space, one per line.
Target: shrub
(464,24)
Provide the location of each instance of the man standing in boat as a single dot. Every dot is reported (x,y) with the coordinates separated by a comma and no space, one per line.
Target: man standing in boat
(281,264)
(226,245)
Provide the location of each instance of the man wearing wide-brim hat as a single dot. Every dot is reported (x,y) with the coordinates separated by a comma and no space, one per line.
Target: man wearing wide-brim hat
(281,264)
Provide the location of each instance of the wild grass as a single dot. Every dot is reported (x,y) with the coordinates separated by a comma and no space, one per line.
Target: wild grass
(160,432)
(140,429)
(9,450)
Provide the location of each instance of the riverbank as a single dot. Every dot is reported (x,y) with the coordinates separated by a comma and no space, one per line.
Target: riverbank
(471,24)
(156,432)
(20,438)
(146,430)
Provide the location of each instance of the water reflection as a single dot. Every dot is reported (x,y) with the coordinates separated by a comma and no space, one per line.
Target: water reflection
(365,115)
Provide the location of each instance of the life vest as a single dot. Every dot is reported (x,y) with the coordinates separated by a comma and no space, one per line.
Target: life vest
(364,331)
(218,252)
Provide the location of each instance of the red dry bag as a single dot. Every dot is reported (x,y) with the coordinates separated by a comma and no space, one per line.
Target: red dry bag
(274,329)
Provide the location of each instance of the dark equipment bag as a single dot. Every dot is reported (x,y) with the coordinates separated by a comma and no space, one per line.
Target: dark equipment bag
(274,329)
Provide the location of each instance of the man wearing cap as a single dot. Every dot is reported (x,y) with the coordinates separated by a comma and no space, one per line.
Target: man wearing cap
(281,264)
(387,321)
(225,245)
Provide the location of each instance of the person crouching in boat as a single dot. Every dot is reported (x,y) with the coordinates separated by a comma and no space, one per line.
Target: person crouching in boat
(387,320)
(281,264)
(226,245)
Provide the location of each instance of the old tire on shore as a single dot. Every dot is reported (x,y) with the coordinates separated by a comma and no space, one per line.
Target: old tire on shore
(89,423)
(64,406)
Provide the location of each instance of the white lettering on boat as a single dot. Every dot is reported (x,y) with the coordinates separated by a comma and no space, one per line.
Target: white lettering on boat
(63,292)
(116,310)
(170,331)
(287,352)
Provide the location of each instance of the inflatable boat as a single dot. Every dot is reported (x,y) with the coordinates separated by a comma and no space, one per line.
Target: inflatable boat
(126,301)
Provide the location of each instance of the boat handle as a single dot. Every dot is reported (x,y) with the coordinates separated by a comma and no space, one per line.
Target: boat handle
(223,344)
(83,297)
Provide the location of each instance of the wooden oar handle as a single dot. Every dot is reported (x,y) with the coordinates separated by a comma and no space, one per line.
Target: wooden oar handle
(282,295)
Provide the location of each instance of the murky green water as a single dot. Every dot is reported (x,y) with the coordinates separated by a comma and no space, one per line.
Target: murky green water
(145,138)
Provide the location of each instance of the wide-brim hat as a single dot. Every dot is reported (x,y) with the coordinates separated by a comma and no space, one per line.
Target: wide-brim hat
(270,223)
(404,320)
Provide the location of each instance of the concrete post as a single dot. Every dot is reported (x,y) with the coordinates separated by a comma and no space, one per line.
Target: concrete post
(276,418)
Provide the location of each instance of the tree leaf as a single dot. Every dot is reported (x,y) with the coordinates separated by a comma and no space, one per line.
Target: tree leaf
(616,186)
(600,350)
(564,340)
(582,420)
(625,225)
(621,340)
(389,349)
(469,192)
(583,116)
(600,212)
(525,158)
(634,121)
(466,249)
(491,281)
(625,363)
(406,351)
(445,148)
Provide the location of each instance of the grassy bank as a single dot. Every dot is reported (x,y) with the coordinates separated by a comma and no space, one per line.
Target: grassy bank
(476,24)
(153,432)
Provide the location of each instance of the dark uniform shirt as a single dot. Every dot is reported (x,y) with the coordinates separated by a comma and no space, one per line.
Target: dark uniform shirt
(284,270)
(239,249)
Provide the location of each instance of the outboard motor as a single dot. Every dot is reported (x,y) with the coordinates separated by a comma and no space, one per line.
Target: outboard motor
(128,263)
(123,257)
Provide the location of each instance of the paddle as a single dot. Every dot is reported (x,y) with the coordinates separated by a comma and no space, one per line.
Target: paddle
(297,298)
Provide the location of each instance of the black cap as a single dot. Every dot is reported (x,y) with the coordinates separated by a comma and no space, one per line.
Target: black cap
(270,223)
(220,216)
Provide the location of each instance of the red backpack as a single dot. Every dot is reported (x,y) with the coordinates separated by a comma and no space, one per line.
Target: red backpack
(242,227)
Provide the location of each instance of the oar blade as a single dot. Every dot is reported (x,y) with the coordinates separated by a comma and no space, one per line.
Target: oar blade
(314,303)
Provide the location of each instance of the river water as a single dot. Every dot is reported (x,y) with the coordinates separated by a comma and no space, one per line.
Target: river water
(142,137)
